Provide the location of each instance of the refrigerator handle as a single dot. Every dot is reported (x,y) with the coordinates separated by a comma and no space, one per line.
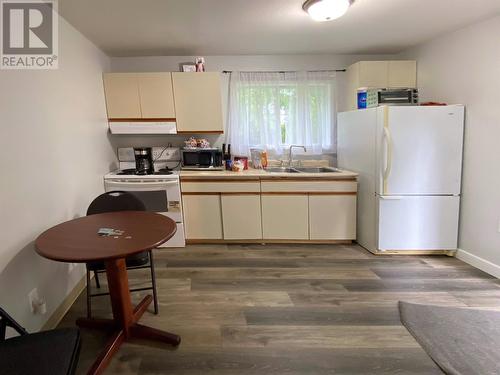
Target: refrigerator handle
(388,165)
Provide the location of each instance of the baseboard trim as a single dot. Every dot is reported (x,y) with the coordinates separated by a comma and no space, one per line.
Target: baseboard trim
(65,305)
(478,262)
(263,242)
(449,253)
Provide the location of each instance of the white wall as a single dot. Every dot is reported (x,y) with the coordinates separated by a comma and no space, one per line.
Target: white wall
(464,67)
(241,63)
(54,150)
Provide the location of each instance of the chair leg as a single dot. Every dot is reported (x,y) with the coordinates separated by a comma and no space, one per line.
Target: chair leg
(97,283)
(89,298)
(153,281)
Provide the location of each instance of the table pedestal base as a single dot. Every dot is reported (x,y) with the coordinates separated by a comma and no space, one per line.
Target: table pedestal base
(124,324)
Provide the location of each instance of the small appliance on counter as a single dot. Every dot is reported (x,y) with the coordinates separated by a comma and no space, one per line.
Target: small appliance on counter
(143,160)
(370,98)
(243,160)
(201,159)
(226,151)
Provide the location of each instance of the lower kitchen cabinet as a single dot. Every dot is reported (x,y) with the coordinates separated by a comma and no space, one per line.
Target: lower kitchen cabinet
(241,216)
(332,217)
(285,216)
(269,209)
(202,216)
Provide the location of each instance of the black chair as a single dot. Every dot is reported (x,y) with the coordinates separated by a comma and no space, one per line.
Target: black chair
(53,352)
(120,201)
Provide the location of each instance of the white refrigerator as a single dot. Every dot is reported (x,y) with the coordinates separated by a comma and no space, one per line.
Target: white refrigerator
(409,160)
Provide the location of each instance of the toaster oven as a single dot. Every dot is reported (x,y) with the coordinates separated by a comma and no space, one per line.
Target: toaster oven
(369,98)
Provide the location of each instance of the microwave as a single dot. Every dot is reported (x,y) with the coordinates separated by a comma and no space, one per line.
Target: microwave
(369,98)
(202,158)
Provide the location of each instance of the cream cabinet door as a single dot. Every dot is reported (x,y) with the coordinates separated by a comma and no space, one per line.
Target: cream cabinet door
(156,95)
(241,216)
(198,105)
(285,216)
(373,74)
(202,216)
(402,73)
(122,95)
(351,99)
(332,217)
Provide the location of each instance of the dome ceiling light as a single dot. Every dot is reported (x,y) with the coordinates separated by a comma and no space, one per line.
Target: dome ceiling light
(326,10)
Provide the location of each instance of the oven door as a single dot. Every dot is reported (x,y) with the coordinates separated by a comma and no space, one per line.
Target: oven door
(162,197)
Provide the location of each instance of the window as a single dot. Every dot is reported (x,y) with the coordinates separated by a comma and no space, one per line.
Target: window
(275,110)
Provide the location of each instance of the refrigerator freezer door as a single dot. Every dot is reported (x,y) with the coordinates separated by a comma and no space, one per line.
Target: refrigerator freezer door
(418,222)
(420,150)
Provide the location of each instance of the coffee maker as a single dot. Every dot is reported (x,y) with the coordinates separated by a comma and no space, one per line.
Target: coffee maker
(144,161)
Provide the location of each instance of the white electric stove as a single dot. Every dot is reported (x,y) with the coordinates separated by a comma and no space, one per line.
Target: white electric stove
(160,192)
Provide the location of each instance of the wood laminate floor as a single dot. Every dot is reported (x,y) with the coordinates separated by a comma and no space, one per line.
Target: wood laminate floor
(286,309)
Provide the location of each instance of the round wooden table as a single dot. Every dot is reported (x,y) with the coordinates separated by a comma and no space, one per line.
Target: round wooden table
(77,241)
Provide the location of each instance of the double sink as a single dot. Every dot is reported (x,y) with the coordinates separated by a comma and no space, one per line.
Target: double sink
(302,170)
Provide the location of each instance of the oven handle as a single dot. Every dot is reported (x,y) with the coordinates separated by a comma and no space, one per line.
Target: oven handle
(141,183)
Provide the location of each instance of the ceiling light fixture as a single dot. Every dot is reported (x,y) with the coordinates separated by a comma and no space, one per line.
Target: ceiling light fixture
(326,10)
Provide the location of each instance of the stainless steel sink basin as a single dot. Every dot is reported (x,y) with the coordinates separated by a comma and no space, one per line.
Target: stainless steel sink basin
(282,170)
(302,170)
(317,170)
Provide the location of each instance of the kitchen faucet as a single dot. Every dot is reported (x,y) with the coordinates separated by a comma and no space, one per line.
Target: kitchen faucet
(290,160)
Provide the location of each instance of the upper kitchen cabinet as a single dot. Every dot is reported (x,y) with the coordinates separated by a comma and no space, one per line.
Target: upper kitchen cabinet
(156,94)
(402,73)
(372,73)
(379,74)
(198,103)
(138,96)
(122,95)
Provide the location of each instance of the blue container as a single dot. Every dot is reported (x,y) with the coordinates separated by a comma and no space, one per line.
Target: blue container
(362,96)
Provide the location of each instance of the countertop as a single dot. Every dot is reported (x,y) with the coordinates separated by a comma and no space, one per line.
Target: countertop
(258,174)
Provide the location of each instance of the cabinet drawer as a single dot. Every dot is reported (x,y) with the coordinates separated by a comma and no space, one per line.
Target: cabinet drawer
(220,187)
(306,186)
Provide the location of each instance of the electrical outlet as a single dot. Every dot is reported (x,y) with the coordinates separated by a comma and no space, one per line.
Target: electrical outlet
(33,298)
(37,304)
(166,154)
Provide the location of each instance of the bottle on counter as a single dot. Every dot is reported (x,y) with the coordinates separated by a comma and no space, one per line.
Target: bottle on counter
(226,156)
(263,159)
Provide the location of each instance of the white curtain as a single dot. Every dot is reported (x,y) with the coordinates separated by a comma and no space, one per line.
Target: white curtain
(275,110)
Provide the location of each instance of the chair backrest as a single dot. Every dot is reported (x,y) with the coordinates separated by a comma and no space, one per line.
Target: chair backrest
(7,321)
(115,201)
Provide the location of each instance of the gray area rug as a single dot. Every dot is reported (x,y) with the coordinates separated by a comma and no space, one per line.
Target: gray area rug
(460,340)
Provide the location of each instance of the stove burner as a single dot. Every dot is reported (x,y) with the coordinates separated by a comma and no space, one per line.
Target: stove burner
(164,171)
(127,172)
(133,172)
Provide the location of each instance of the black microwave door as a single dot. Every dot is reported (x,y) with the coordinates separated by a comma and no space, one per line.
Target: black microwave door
(205,159)
(190,159)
